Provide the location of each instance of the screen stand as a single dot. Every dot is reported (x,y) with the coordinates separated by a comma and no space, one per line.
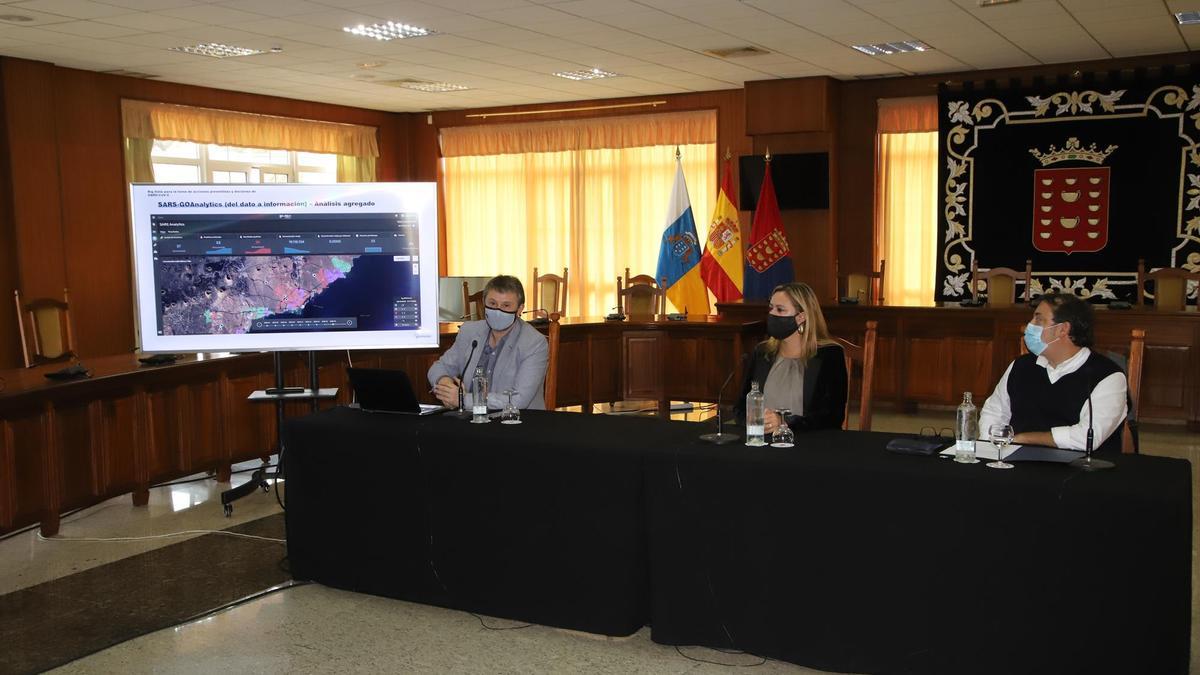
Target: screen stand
(278,394)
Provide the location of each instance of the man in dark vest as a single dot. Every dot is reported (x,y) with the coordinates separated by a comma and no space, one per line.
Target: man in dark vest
(1044,394)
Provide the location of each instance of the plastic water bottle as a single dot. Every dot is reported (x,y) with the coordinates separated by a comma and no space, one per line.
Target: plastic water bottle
(479,396)
(966,431)
(754,416)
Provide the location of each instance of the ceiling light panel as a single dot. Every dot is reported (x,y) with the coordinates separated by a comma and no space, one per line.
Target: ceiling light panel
(580,75)
(388,31)
(886,48)
(217,50)
(1187,18)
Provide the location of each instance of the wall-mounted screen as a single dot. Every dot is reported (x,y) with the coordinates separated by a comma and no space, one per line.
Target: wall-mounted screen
(285,266)
(801,180)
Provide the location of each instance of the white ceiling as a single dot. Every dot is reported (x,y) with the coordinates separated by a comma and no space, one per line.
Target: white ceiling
(506,50)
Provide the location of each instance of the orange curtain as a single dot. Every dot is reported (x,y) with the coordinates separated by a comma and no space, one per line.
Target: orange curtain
(906,199)
(594,210)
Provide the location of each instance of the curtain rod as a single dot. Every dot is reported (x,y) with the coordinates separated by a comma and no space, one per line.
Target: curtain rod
(652,104)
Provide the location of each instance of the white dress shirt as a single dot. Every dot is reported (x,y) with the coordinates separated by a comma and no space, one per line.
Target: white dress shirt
(1108,400)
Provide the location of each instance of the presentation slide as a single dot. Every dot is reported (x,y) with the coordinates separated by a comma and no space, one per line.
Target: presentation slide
(285,266)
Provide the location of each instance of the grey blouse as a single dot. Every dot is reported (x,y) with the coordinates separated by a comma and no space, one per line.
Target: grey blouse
(784,387)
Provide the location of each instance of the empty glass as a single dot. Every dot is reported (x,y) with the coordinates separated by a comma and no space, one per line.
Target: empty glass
(1001,435)
(783,436)
(511,413)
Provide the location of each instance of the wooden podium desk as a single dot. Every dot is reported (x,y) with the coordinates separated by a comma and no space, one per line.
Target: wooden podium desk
(932,355)
(67,445)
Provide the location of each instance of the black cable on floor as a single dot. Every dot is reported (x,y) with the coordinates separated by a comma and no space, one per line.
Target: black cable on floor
(484,624)
(200,478)
(763,659)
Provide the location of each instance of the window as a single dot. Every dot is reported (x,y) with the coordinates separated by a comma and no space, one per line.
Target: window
(535,195)
(186,162)
(907,199)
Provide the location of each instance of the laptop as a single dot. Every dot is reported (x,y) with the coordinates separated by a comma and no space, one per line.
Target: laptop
(387,391)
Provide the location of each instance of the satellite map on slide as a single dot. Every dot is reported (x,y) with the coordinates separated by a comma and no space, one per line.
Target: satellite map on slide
(223,294)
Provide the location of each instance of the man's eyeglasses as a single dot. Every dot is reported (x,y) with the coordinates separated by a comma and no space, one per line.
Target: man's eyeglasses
(931,433)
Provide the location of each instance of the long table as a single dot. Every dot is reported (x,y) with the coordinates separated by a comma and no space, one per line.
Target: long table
(834,554)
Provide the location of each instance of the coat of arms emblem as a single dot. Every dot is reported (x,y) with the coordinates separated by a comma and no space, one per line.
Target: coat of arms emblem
(1070,204)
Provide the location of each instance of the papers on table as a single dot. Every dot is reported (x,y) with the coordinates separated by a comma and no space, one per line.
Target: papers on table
(985,450)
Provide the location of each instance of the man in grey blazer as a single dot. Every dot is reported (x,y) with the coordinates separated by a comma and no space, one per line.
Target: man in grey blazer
(513,353)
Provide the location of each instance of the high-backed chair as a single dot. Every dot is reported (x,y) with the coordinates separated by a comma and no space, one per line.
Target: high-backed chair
(866,286)
(45,326)
(1002,284)
(469,299)
(1132,365)
(864,357)
(1170,286)
(553,288)
(640,296)
(550,393)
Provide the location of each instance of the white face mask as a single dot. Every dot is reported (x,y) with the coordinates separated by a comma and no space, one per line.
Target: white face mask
(498,319)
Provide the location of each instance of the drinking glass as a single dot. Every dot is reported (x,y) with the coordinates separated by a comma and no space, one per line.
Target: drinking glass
(783,436)
(1001,435)
(511,413)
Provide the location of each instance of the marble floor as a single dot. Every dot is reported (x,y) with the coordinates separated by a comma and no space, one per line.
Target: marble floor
(310,628)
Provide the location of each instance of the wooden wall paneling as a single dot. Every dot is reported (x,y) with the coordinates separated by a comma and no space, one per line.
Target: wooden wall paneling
(884,383)
(792,105)
(1164,380)
(79,448)
(90,153)
(971,368)
(143,445)
(928,363)
(51,461)
(36,190)
(10,346)
(162,456)
(641,357)
(8,486)
(117,420)
(203,428)
(605,383)
(573,367)
(26,433)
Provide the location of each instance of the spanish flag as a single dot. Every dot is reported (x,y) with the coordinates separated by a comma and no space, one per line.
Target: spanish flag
(722,263)
(679,253)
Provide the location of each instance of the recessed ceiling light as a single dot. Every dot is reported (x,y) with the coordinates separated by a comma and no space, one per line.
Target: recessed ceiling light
(16,18)
(885,48)
(217,50)
(425,86)
(367,65)
(1187,18)
(589,74)
(387,31)
(989,3)
(736,52)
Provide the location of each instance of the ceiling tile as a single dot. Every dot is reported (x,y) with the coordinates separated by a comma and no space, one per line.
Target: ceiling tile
(76,9)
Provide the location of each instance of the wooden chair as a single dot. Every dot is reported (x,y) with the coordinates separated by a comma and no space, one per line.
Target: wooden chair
(1170,286)
(1002,284)
(1132,365)
(641,295)
(45,326)
(862,285)
(553,286)
(550,393)
(864,357)
(470,298)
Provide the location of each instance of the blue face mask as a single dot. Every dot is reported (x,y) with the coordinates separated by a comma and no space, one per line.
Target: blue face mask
(1033,338)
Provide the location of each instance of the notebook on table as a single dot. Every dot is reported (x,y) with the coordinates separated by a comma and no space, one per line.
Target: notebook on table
(387,391)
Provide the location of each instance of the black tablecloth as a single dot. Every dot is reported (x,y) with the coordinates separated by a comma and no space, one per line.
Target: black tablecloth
(841,556)
(542,521)
(835,554)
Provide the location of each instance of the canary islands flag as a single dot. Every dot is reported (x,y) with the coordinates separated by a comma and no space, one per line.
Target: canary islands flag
(768,260)
(679,253)
(721,265)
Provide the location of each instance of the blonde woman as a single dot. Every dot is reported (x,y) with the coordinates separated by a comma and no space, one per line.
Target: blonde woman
(799,367)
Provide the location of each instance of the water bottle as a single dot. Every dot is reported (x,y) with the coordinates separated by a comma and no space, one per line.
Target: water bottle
(479,396)
(966,430)
(754,416)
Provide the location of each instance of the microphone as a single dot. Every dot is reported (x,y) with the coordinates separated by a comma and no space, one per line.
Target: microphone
(720,437)
(462,386)
(1087,463)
